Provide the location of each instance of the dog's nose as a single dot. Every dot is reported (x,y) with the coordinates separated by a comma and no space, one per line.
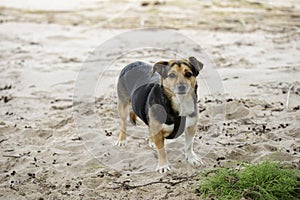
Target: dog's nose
(181,88)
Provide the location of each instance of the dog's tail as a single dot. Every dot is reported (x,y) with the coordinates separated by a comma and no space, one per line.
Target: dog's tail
(133,118)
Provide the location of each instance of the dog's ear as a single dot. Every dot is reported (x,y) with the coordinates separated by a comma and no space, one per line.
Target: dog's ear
(196,65)
(161,67)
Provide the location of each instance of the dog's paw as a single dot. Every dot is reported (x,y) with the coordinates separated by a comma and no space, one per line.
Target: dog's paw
(193,159)
(163,169)
(120,143)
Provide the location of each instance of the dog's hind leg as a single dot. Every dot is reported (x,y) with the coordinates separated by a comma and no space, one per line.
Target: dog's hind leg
(123,113)
(133,118)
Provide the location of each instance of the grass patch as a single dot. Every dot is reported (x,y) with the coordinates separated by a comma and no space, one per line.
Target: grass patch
(268,181)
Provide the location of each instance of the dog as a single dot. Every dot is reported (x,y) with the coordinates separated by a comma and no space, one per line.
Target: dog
(165,98)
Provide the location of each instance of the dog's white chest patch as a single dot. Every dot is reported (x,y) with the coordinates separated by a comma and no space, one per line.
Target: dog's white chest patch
(184,104)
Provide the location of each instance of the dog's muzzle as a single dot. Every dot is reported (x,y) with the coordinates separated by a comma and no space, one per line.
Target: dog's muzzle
(181,89)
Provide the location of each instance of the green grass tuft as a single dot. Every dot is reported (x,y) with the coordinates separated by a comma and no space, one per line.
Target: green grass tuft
(265,181)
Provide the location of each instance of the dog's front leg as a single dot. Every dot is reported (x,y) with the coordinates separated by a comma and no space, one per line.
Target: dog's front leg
(156,116)
(190,132)
(157,137)
(163,165)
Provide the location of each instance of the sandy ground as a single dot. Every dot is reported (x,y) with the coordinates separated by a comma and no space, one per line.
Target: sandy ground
(44,47)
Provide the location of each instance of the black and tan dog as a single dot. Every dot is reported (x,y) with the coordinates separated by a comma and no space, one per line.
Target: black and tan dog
(165,98)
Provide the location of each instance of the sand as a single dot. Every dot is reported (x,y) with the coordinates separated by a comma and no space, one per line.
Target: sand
(54,146)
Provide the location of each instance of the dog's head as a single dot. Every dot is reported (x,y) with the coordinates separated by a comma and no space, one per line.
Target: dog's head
(179,76)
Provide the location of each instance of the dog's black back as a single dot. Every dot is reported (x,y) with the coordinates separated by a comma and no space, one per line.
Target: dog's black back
(132,77)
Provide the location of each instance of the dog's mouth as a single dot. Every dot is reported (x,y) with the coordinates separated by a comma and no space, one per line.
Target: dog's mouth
(181,93)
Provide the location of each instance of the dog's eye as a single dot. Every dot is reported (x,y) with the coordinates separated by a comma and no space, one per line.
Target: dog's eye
(172,75)
(188,74)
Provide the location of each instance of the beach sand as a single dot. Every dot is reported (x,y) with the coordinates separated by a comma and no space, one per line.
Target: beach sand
(55,147)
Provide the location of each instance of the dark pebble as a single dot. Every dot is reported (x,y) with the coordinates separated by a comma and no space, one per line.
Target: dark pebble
(6,99)
(228,100)
(201,110)
(220,158)
(145,3)
(108,133)
(296,108)
(157,3)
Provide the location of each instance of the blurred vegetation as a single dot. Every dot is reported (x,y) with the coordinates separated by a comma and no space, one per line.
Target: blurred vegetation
(268,180)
